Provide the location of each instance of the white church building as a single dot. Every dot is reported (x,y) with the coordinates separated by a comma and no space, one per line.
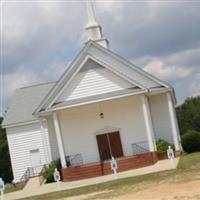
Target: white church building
(103,106)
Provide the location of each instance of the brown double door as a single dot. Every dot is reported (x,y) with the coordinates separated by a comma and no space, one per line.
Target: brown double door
(109,145)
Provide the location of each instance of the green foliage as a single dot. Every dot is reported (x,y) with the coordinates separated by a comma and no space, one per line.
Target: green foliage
(48,174)
(188,115)
(162,146)
(191,141)
(5,165)
(11,188)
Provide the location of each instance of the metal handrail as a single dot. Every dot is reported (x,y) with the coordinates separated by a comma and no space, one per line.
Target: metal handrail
(32,172)
(25,176)
(35,171)
(41,177)
(74,160)
(140,147)
(74,156)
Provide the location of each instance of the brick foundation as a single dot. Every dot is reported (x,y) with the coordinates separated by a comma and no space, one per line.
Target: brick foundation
(163,156)
(178,153)
(99,169)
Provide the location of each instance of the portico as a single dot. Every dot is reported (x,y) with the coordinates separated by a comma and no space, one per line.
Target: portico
(127,122)
(88,120)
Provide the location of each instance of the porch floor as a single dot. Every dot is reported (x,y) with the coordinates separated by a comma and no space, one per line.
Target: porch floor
(45,188)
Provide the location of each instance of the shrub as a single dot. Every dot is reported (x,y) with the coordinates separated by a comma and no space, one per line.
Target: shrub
(48,174)
(162,146)
(191,141)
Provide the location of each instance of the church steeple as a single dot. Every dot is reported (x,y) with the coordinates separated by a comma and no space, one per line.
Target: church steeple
(93,29)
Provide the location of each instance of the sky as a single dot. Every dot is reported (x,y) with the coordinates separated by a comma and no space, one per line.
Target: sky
(39,39)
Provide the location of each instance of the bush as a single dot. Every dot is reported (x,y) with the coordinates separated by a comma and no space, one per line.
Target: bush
(162,146)
(191,141)
(48,174)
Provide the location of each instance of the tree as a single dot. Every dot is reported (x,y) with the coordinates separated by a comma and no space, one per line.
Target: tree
(5,164)
(188,115)
(191,141)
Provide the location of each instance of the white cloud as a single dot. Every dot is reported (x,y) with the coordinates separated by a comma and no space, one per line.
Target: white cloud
(108,5)
(159,69)
(54,70)
(18,79)
(194,88)
(196,94)
(13,81)
(26,77)
(42,37)
(105,5)
(36,32)
(186,56)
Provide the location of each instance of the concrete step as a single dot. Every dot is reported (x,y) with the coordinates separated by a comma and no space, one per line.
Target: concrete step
(32,183)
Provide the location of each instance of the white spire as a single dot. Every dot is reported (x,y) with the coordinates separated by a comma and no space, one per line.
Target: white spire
(94,31)
(90,14)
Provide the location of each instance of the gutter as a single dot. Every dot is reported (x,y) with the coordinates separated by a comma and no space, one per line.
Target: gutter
(20,124)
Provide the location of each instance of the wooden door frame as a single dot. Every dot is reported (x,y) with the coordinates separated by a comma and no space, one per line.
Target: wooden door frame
(103,130)
(107,129)
(111,143)
(107,132)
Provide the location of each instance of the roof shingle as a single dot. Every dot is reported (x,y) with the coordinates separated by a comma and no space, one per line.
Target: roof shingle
(24,102)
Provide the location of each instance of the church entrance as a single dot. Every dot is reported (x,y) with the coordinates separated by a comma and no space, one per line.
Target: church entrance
(109,144)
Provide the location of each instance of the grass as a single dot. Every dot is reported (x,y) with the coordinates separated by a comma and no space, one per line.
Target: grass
(10,189)
(188,169)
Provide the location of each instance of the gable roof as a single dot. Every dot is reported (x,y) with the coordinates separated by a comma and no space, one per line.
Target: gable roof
(93,79)
(24,102)
(109,60)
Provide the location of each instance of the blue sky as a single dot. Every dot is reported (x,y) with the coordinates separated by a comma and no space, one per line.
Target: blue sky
(40,38)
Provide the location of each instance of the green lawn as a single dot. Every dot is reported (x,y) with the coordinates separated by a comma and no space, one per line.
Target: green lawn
(188,169)
(10,189)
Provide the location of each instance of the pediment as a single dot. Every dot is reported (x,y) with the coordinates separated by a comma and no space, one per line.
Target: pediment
(107,72)
(93,79)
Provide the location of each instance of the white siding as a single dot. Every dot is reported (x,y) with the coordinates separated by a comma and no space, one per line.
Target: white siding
(93,80)
(160,117)
(21,140)
(111,61)
(80,125)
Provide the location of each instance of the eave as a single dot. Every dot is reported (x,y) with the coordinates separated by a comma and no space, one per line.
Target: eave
(90,100)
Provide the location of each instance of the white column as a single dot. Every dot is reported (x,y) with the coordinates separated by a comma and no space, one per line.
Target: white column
(148,123)
(173,121)
(59,140)
(45,140)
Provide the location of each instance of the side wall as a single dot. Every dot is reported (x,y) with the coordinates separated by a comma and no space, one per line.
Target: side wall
(23,139)
(161,118)
(79,126)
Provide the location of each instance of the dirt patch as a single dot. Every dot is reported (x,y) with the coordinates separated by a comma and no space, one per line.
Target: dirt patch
(84,197)
(174,191)
(165,191)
